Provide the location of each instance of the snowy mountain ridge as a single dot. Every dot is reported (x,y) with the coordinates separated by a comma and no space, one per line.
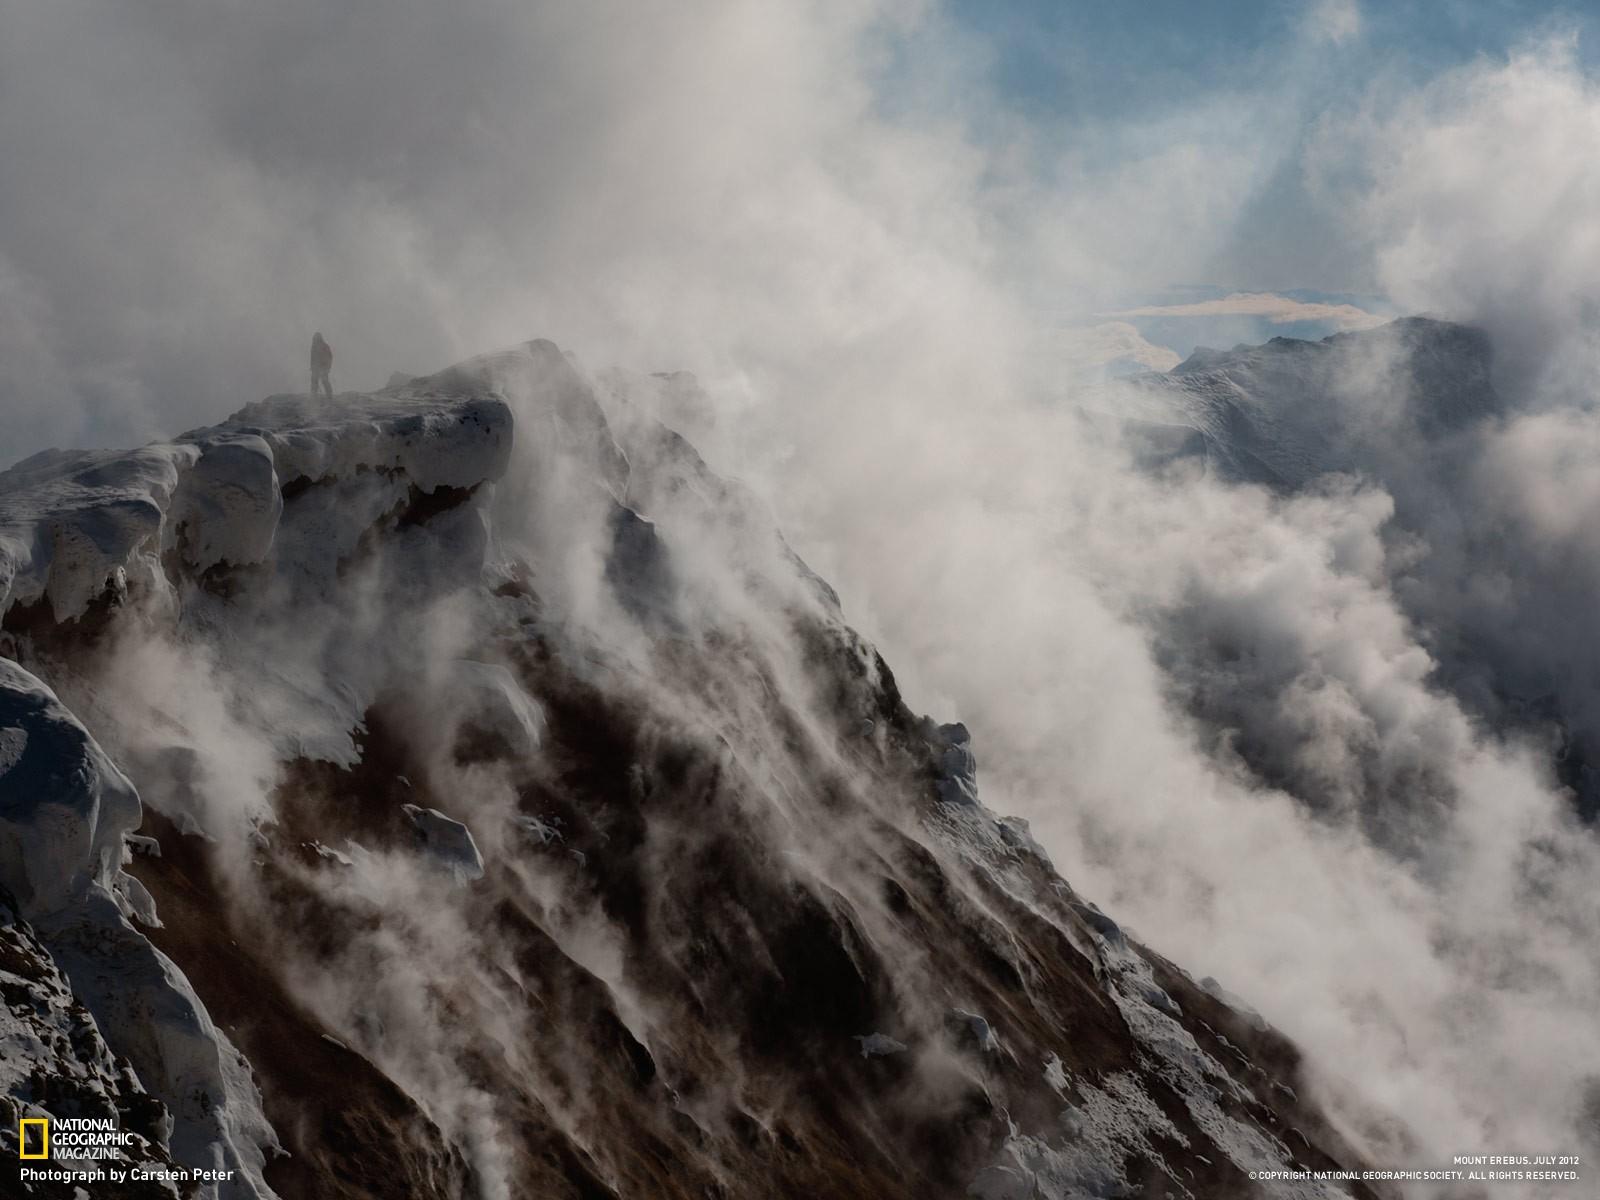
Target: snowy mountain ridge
(1286,412)
(517,815)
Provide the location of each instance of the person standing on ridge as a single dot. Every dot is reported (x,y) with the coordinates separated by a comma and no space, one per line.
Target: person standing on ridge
(321,365)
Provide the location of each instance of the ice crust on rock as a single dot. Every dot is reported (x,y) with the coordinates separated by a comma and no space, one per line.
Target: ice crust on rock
(69,520)
(64,807)
(227,505)
(434,436)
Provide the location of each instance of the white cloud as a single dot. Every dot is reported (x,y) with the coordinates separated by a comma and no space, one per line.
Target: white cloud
(1280,310)
(1475,197)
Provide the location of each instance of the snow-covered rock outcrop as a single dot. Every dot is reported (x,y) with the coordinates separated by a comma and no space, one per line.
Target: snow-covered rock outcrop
(64,806)
(64,812)
(54,1061)
(75,523)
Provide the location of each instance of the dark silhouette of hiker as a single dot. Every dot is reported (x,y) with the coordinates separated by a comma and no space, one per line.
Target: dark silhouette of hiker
(321,365)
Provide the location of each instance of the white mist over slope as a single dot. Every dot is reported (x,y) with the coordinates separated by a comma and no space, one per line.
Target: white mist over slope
(726,195)
(1020,572)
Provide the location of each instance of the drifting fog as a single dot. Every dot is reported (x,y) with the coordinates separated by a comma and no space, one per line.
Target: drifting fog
(822,212)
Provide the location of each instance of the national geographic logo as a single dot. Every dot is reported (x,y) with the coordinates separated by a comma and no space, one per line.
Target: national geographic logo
(73,1139)
(33,1137)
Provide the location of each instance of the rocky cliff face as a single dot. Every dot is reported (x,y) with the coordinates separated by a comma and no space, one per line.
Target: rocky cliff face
(463,791)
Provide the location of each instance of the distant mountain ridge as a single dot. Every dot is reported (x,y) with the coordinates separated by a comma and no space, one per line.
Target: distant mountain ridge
(1285,412)
(1412,408)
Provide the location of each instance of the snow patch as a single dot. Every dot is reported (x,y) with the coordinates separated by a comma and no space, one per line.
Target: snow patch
(447,842)
(976,1028)
(877,1045)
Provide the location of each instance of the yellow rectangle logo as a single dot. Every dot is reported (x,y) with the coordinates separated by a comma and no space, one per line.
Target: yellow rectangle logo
(42,1137)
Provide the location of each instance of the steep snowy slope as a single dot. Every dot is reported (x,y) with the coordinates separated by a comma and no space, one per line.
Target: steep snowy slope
(529,818)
